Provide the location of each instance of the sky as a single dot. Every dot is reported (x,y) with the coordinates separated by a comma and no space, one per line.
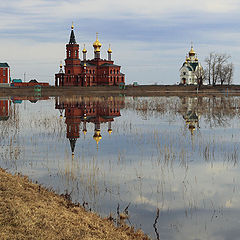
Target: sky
(149,39)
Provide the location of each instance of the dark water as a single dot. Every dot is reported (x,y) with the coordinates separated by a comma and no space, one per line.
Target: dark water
(178,157)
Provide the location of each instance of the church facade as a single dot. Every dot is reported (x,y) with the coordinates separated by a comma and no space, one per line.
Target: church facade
(191,72)
(88,72)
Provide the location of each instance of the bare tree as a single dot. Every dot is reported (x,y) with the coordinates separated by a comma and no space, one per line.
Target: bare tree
(218,70)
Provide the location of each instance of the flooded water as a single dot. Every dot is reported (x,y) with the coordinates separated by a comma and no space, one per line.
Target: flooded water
(171,163)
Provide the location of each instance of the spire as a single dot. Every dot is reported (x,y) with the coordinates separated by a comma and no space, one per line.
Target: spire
(72,36)
(72,144)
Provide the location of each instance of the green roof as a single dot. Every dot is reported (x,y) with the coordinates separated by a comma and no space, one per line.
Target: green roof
(193,65)
(109,65)
(4,118)
(4,65)
(88,64)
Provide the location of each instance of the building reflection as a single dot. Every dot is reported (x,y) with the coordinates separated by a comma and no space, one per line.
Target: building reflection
(88,110)
(190,113)
(4,109)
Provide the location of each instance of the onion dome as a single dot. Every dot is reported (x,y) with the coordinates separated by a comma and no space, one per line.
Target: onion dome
(191,128)
(84,132)
(110,131)
(192,52)
(97,136)
(97,45)
(84,49)
(61,66)
(109,49)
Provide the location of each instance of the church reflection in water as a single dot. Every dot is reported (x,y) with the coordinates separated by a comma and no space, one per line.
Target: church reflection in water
(190,113)
(88,110)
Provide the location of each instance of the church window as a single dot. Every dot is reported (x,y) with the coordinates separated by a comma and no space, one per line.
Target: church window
(117,71)
(114,71)
(90,71)
(4,73)
(69,53)
(93,71)
(69,71)
(76,53)
(184,73)
(111,71)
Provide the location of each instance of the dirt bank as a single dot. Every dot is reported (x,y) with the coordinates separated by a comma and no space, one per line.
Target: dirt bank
(29,211)
(143,90)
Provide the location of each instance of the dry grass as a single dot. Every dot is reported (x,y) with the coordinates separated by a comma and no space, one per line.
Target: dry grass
(29,211)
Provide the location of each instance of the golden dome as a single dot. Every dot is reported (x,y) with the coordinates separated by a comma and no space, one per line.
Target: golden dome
(109,50)
(72,26)
(97,44)
(84,49)
(97,49)
(191,128)
(97,136)
(192,52)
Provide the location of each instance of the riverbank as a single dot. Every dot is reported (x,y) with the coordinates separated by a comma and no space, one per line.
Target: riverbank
(142,90)
(30,211)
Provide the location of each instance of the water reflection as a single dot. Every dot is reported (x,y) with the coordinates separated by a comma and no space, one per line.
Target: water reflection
(83,110)
(175,159)
(191,116)
(4,109)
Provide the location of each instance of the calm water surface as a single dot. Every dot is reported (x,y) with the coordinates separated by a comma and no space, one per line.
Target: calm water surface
(178,157)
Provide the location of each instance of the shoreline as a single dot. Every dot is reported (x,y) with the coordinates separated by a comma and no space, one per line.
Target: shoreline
(141,90)
(31,211)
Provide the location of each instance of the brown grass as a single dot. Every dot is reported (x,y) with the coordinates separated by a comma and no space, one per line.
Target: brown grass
(29,211)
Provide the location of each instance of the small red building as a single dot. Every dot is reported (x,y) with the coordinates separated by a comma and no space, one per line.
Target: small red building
(4,73)
(88,72)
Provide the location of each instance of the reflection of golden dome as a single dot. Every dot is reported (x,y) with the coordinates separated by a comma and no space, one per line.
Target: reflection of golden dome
(97,45)
(97,136)
(191,128)
(110,131)
(84,132)
(61,116)
(192,52)
(84,49)
(109,50)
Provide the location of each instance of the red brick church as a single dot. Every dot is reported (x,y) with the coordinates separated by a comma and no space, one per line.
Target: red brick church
(88,72)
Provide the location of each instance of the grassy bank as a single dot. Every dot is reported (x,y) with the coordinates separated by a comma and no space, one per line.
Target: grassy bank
(29,211)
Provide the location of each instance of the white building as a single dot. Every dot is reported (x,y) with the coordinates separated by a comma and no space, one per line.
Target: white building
(191,71)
